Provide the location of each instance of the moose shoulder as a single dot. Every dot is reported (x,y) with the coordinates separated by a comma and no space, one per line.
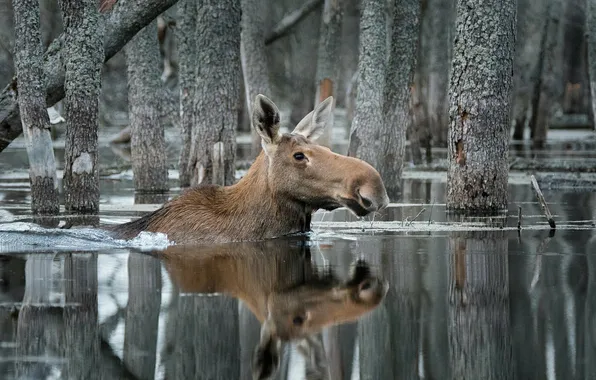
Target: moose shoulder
(292,177)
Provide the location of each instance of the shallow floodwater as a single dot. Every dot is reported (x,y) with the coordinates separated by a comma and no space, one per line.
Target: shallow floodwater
(412,294)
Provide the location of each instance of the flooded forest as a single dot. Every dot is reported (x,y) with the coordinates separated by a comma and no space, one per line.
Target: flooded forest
(311,189)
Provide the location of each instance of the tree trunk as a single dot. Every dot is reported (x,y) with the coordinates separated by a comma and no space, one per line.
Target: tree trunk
(303,55)
(365,134)
(145,91)
(29,68)
(383,101)
(216,96)
(348,55)
(187,54)
(480,89)
(6,41)
(328,59)
(552,71)
(591,39)
(574,52)
(440,46)
(254,59)
(531,16)
(84,44)
(121,25)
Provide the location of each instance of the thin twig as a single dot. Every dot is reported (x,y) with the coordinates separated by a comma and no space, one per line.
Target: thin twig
(542,201)
(416,217)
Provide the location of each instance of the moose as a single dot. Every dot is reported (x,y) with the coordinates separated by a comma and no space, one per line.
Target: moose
(279,284)
(291,178)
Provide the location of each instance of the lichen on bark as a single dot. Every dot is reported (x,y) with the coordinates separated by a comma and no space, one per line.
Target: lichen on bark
(480,103)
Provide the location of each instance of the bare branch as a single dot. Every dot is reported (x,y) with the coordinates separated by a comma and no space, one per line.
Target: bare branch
(286,23)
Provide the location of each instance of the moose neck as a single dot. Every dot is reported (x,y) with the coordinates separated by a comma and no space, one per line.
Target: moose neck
(256,203)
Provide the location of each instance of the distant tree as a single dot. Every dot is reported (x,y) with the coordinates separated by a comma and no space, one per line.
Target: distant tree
(187,69)
(32,106)
(254,58)
(84,44)
(382,117)
(328,58)
(145,93)
(591,37)
(216,96)
(551,84)
(441,20)
(480,93)
(531,19)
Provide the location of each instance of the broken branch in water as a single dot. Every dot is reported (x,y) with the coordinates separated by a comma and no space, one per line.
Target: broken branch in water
(542,202)
(409,222)
(519,217)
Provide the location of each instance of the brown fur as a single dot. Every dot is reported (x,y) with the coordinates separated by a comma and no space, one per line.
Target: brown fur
(277,195)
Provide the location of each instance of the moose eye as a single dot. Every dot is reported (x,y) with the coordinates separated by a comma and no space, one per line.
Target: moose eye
(298,320)
(299,156)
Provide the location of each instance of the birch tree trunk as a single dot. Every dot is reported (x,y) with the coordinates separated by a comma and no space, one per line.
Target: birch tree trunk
(591,41)
(217,92)
(328,59)
(187,54)
(147,148)
(254,59)
(383,101)
(481,89)
(84,44)
(32,104)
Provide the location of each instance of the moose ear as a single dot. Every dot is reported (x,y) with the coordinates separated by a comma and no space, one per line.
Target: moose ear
(265,360)
(313,124)
(265,120)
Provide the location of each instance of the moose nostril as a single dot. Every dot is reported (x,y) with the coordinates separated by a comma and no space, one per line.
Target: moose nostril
(365,202)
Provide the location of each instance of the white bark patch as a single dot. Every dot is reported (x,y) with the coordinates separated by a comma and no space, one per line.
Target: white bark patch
(201,172)
(83,164)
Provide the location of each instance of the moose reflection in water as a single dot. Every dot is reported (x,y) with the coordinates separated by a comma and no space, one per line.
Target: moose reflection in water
(277,281)
(291,178)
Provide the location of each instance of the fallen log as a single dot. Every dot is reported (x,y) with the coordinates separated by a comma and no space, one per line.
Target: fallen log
(122,24)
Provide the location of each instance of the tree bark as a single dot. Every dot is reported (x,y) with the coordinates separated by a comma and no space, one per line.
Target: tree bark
(480,88)
(328,59)
(187,54)
(378,135)
(6,41)
(531,16)
(216,96)
(591,40)
(365,134)
(84,37)
(121,25)
(551,82)
(145,91)
(254,59)
(29,68)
